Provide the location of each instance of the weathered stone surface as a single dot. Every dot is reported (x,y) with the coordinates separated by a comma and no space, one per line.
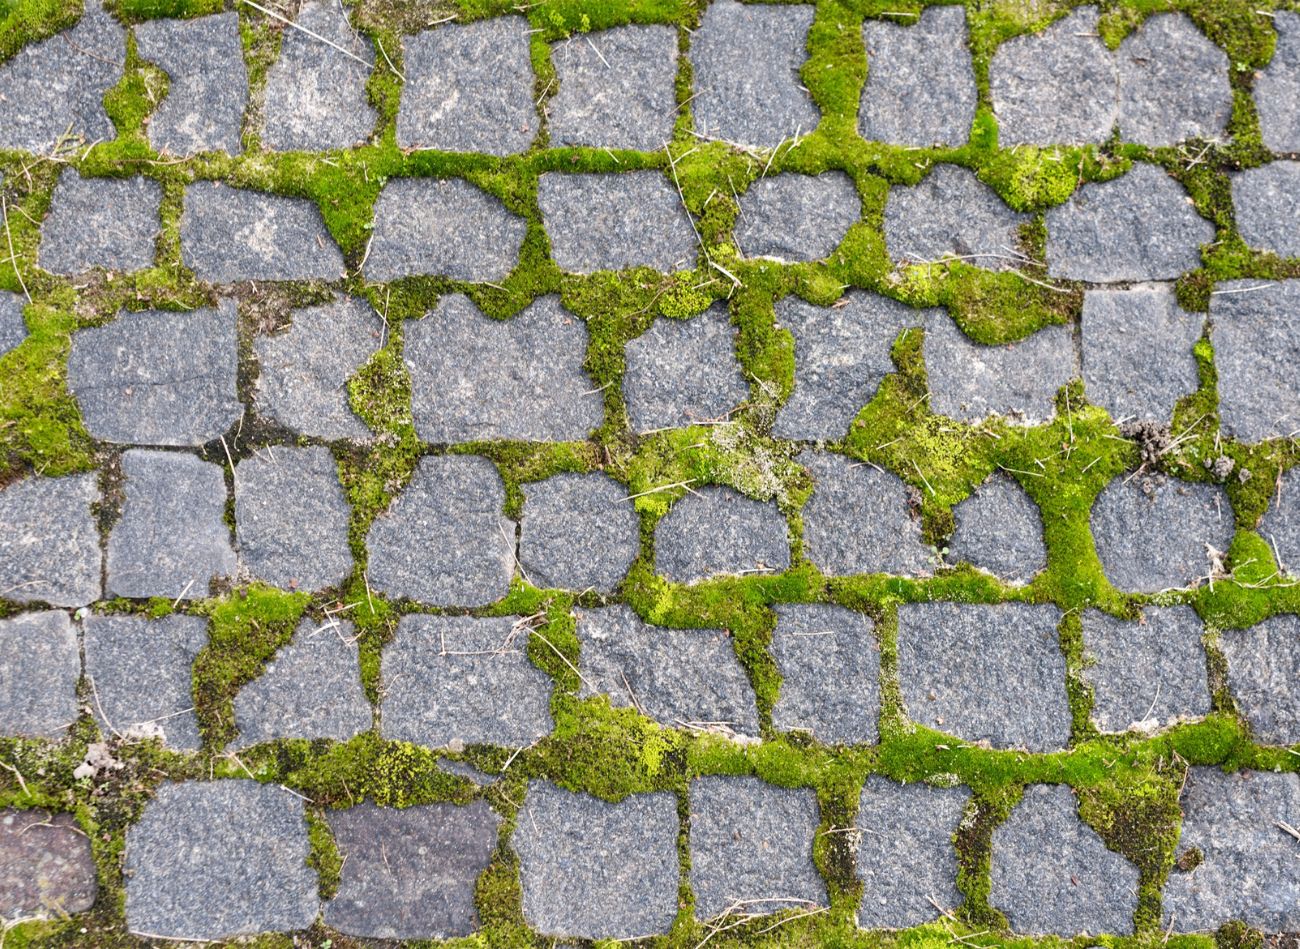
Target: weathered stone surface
(475,378)
(616,222)
(1277,87)
(616,88)
(746,60)
(1147,674)
(595,869)
(172,538)
(906,856)
(920,87)
(1151,532)
(1247,869)
(1280,525)
(409,873)
(100,222)
(303,372)
(444,539)
(39,668)
(46,868)
(761,863)
(142,670)
(830,670)
(451,681)
(13,327)
(797,217)
(156,377)
(468,88)
(1140,226)
(291,518)
(316,96)
(1267,205)
(207,83)
(1137,351)
(1173,83)
(578,532)
(1256,349)
(1264,676)
(1053,874)
(999,530)
(858,519)
(957,664)
(232,234)
(683,372)
(445,227)
(49,546)
(951,213)
(717,530)
(217,859)
(685,678)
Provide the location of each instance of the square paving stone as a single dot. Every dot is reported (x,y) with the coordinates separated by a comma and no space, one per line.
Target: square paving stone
(142,672)
(207,83)
(958,663)
(1146,674)
(1173,83)
(46,868)
(751,847)
(158,377)
(49,547)
(1256,349)
(444,227)
(951,213)
(999,529)
(444,539)
(1139,226)
(616,222)
(1053,874)
(920,87)
(829,662)
(451,681)
(100,222)
(1280,525)
(475,378)
(39,668)
(468,88)
(1277,87)
(616,88)
(188,876)
(683,678)
(796,218)
(906,856)
(410,873)
(717,530)
(172,539)
(1247,869)
(595,869)
(13,327)
(578,532)
(1264,676)
(1267,204)
(745,58)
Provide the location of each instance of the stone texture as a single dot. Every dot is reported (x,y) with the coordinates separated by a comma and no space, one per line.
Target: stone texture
(100,222)
(13,327)
(761,863)
(957,663)
(468,88)
(156,377)
(795,217)
(1280,525)
(999,529)
(189,876)
(1267,204)
(830,669)
(1151,531)
(717,530)
(616,88)
(746,60)
(951,213)
(46,868)
(595,869)
(1140,226)
(1264,676)
(172,538)
(1256,349)
(905,854)
(616,222)
(678,677)
(409,873)
(1053,874)
(49,547)
(920,87)
(207,83)
(39,668)
(1277,87)
(451,681)
(291,518)
(578,532)
(475,378)
(445,227)
(444,539)
(1173,83)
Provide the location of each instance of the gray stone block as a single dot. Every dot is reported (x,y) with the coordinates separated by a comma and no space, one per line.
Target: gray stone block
(157,377)
(795,217)
(717,530)
(13,327)
(829,662)
(1280,525)
(1256,349)
(100,222)
(451,681)
(212,860)
(49,547)
(46,868)
(1173,83)
(595,869)
(958,663)
(1277,87)
(409,873)
(578,532)
(1264,676)
(951,213)
(39,667)
(999,529)
(1267,204)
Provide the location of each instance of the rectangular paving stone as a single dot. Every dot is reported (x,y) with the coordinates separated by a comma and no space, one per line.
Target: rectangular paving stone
(39,667)
(795,218)
(46,868)
(998,528)
(49,545)
(951,213)
(717,530)
(1264,676)
(110,223)
(578,531)
(1256,349)
(1277,87)
(1173,83)
(1266,201)
(13,327)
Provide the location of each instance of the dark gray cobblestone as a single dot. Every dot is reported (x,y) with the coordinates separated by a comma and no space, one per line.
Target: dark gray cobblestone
(100,222)
(13,327)
(1264,676)
(1267,205)
(717,530)
(793,217)
(578,532)
(1277,87)
(829,662)
(1173,83)
(46,868)
(1280,525)
(49,547)
(39,667)
(951,213)
(999,529)
(1256,347)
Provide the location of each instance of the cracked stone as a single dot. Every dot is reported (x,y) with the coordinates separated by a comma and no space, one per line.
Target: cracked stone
(717,530)
(793,217)
(1267,205)
(1280,525)
(46,868)
(13,326)
(1256,349)
(1173,83)
(1264,676)
(578,532)
(999,529)
(109,223)
(39,667)
(951,213)
(1277,87)
(49,547)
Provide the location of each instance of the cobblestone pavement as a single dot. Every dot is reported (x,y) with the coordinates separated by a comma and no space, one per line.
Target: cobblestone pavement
(706,473)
